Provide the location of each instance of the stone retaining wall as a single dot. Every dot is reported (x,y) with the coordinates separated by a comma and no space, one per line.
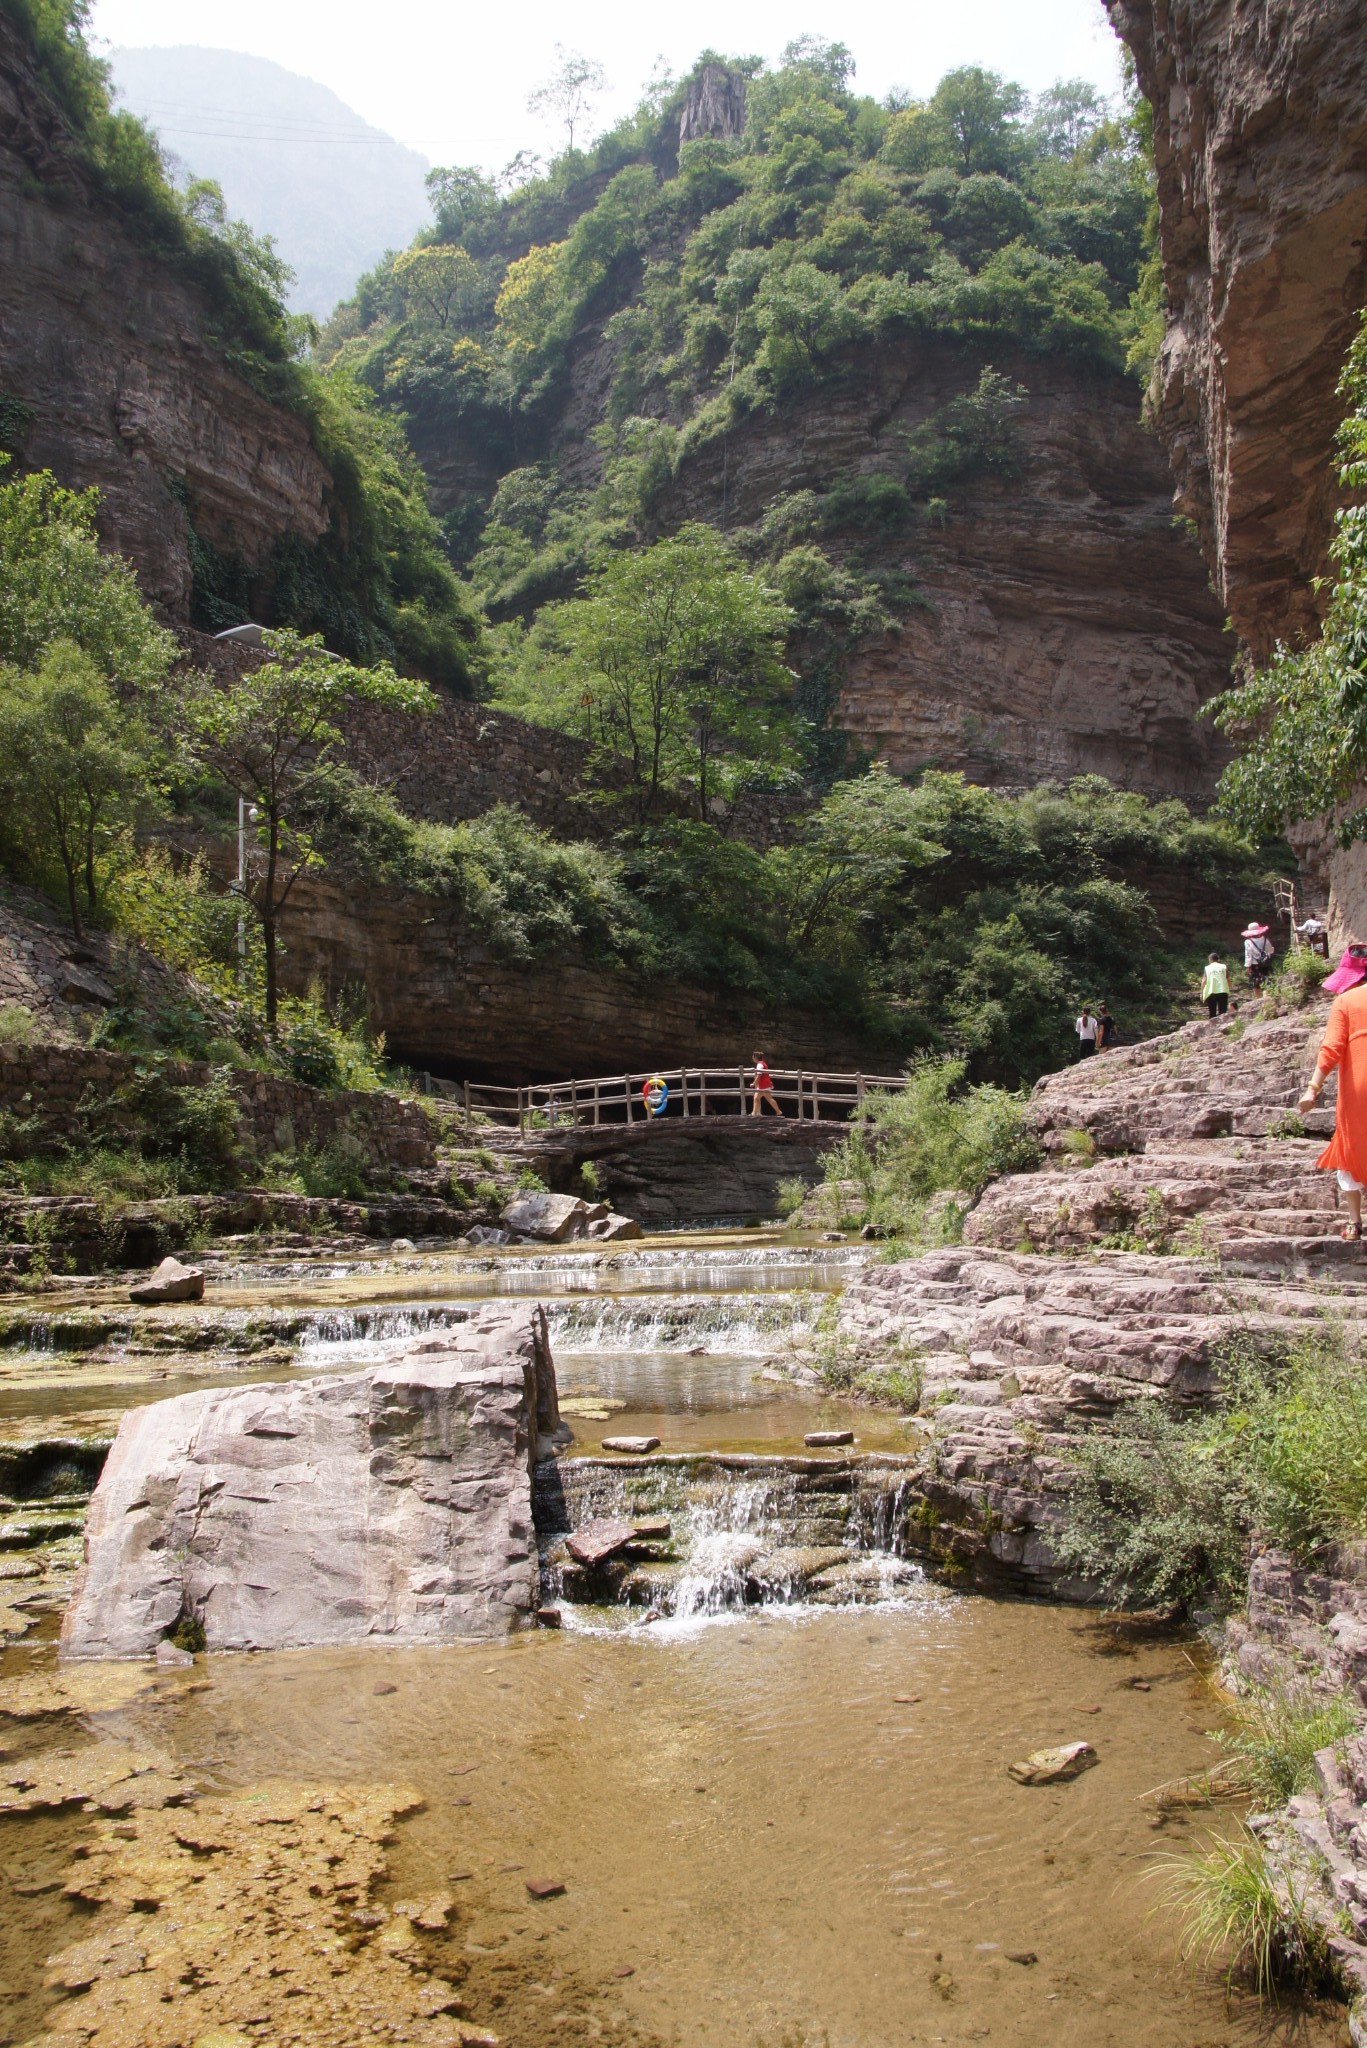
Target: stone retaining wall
(61,1086)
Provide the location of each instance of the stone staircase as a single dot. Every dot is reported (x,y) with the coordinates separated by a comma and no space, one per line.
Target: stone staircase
(1233,1076)
(1201,1151)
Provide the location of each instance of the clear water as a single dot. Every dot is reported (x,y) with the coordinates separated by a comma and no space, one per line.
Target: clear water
(778,1803)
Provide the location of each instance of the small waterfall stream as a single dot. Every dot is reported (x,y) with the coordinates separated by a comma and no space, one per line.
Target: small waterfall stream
(718,1534)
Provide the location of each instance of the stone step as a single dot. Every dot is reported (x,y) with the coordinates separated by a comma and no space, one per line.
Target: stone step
(1274,1214)
(1253,1250)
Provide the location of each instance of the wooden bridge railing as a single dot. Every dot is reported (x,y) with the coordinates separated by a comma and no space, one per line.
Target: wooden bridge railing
(693,1091)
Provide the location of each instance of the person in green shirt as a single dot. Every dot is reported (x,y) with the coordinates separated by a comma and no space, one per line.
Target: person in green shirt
(1215,987)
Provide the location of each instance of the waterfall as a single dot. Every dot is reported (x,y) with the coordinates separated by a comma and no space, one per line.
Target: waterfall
(743,1532)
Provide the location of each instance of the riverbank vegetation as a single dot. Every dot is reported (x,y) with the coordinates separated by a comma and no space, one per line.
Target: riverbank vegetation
(1163,1507)
(912,1165)
(937,917)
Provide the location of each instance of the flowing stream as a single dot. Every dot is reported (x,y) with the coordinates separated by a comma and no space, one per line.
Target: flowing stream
(764,1755)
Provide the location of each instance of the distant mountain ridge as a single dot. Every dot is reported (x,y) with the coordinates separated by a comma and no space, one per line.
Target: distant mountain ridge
(294,160)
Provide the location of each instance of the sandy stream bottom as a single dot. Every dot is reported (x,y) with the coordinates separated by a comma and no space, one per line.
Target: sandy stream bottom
(758,1844)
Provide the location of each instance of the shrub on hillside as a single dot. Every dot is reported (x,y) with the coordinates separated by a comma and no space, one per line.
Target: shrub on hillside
(935,1135)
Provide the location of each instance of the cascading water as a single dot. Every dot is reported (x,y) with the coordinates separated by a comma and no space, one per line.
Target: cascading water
(717,1535)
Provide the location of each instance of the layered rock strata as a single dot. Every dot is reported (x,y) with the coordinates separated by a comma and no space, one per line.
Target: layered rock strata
(445,1000)
(1202,1148)
(1018,1353)
(1067,628)
(390,1505)
(118,379)
(1260,142)
(712,1169)
(1305,1629)
(1224,1076)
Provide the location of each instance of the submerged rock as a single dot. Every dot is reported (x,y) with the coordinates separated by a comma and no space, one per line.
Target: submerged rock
(635,1446)
(170,1282)
(1054,1766)
(391,1503)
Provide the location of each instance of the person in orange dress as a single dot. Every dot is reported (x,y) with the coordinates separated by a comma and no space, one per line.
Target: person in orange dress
(1345,1049)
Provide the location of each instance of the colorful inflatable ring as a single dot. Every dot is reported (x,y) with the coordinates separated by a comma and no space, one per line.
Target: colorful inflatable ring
(655,1094)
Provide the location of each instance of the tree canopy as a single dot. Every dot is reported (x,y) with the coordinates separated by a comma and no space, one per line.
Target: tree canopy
(670,662)
(267,736)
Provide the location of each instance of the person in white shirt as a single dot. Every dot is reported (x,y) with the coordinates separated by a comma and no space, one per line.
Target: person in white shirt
(1258,951)
(1086,1029)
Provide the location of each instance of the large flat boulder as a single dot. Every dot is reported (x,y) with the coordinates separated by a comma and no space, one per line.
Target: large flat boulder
(393,1503)
(554,1218)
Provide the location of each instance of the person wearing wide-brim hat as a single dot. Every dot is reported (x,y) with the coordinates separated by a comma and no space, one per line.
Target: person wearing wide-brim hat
(1345,1048)
(1258,952)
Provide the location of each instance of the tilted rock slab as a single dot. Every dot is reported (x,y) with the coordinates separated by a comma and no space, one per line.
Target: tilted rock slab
(393,1503)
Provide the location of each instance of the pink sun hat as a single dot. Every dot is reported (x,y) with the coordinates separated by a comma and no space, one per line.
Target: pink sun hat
(1351,972)
(1254,931)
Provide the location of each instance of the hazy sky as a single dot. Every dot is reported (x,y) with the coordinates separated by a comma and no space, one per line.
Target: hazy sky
(452,80)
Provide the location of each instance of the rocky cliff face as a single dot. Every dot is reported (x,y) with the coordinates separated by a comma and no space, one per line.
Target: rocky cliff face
(120,385)
(446,1002)
(1068,627)
(1260,137)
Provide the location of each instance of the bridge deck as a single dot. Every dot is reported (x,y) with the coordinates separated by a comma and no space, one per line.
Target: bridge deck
(709,1095)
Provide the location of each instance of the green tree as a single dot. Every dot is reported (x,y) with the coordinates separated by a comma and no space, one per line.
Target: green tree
(977,110)
(1066,116)
(570,91)
(73,767)
(440,283)
(850,858)
(463,199)
(1302,721)
(803,315)
(674,654)
(57,584)
(268,738)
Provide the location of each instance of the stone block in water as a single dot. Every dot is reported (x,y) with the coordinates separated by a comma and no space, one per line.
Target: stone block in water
(171,1282)
(1054,1766)
(552,1217)
(593,1543)
(392,1504)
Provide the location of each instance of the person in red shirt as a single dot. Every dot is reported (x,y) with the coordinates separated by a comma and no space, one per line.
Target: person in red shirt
(1345,1048)
(764,1087)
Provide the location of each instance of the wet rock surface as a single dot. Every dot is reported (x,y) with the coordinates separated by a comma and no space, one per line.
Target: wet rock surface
(393,1503)
(241,1912)
(694,1535)
(1054,1766)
